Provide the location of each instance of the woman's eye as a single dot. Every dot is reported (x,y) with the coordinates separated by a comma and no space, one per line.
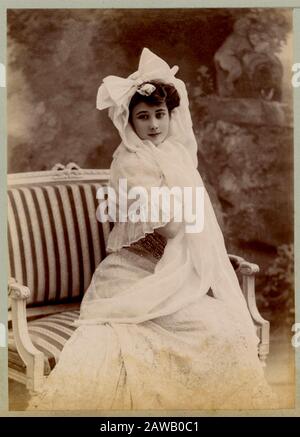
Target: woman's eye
(143,117)
(160,115)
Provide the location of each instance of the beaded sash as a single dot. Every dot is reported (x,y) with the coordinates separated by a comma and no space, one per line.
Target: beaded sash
(151,245)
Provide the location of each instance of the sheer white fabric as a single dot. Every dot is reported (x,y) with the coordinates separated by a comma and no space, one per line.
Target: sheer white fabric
(137,171)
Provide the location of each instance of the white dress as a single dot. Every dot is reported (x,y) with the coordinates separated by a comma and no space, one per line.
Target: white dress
(196,356)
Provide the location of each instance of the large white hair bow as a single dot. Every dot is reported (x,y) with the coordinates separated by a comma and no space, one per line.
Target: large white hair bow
(116,92)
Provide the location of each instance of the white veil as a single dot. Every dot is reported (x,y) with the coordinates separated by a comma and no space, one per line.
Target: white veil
(192,263)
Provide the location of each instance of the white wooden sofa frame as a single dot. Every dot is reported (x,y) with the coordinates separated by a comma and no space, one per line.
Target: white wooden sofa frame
(19,293)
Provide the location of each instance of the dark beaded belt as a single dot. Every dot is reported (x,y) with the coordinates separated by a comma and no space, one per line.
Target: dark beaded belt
(152,244)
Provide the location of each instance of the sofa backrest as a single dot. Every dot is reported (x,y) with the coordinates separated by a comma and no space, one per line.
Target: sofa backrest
(54,239)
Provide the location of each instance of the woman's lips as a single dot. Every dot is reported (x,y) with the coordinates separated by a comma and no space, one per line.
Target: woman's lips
(154,135)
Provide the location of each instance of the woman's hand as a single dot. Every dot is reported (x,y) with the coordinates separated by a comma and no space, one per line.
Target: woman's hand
(170,230)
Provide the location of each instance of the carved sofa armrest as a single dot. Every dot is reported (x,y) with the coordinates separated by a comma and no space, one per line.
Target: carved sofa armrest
(248,271)
(32,357)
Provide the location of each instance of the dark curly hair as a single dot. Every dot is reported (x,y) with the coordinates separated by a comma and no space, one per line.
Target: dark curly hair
(164,93)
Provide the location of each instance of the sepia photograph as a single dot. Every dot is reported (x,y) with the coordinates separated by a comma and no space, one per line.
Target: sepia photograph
(150,209)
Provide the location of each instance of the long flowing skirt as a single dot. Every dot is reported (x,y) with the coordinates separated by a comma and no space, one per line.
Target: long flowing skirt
(195,358)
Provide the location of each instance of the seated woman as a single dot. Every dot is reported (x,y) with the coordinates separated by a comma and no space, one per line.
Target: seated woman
(163,324)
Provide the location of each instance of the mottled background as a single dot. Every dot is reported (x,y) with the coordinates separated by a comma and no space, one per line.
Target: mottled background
(56,61)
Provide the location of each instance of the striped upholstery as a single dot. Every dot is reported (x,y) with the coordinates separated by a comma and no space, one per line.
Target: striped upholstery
(55,240)
(49,335)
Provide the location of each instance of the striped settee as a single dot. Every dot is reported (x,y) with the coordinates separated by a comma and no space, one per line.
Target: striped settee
(54,243)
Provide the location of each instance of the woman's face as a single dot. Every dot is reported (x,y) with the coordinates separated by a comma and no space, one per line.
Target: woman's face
(151,122)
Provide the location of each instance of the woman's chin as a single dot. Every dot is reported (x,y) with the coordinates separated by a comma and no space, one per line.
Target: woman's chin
(157,140)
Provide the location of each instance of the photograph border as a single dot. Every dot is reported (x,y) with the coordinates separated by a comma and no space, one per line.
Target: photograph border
(142,4)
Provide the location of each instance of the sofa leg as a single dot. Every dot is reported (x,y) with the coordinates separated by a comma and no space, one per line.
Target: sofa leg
(35,377)
(263,348)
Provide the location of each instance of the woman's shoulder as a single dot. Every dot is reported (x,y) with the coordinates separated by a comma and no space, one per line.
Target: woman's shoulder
(135,165)
(124,158)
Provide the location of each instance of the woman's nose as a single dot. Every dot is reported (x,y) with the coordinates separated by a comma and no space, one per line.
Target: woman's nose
(154,123)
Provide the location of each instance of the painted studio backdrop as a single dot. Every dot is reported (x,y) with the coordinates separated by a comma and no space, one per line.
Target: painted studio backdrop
(237,66)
